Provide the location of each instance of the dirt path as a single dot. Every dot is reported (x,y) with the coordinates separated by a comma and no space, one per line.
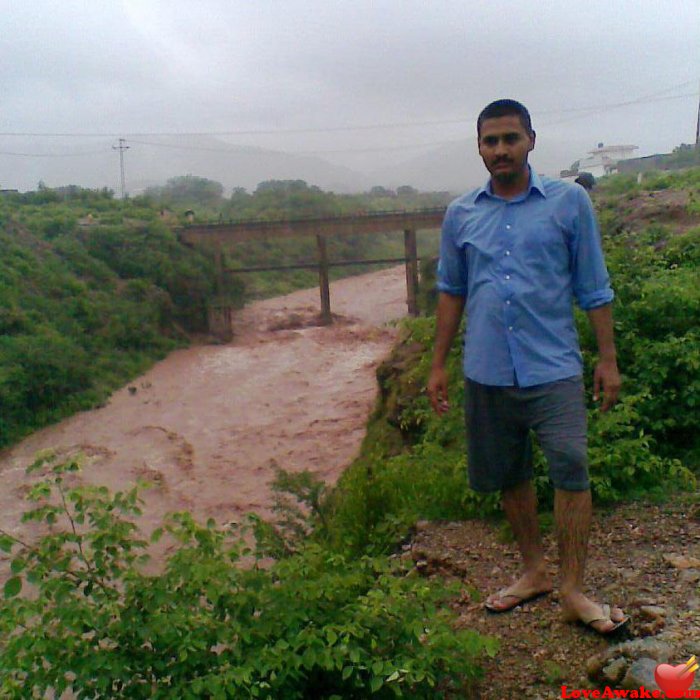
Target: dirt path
(644,557)
(207,424)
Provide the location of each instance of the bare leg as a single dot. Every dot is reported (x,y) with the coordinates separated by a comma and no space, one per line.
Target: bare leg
(520,506)
(572,513)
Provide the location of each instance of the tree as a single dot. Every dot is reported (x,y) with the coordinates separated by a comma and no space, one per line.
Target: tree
(189,190)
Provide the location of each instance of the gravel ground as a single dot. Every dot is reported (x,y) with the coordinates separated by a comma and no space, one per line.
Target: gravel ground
(643,557)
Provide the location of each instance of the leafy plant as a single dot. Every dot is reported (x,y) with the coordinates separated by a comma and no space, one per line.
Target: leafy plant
(316,624)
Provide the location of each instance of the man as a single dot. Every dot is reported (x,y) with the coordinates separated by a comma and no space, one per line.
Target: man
(518,252)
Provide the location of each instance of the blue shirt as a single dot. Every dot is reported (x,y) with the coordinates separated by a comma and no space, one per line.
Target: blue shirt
(521,263)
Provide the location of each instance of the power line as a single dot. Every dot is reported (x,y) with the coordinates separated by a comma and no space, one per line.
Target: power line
(579,112)
(54,155)
(360,127)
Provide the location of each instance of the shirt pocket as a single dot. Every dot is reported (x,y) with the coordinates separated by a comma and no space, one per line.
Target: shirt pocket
(544,244)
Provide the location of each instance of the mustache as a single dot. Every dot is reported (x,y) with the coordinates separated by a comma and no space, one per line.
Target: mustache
(498,161)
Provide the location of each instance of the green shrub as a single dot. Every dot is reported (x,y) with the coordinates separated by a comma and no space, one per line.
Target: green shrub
(315,625)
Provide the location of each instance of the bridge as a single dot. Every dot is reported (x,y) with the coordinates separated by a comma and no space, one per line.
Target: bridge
(218,235)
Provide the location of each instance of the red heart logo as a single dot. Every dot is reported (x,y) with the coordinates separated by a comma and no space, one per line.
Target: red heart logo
(673,680)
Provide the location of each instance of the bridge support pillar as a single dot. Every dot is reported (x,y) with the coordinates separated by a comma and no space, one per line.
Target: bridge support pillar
(219,321)
(219,311)
(326,318)
(411,252)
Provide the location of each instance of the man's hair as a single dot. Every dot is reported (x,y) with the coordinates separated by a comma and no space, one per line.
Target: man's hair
(505,108)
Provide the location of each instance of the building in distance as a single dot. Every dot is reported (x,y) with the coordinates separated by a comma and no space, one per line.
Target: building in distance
(602,160)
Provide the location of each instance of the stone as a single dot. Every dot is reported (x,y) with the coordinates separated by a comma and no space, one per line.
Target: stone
(648,629)
(693,604)
(641,673)
(652,612)
(595,666)
(648,647)
(615,671)
(639,601)
(638,648)
(689,576)
(678,561)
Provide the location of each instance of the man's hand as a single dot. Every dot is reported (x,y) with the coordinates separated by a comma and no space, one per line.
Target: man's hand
(437,390)
(606,377)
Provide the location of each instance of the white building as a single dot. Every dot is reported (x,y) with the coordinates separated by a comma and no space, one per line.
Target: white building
(600,161)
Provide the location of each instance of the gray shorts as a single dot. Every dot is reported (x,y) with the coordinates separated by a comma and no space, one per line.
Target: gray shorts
(499,420)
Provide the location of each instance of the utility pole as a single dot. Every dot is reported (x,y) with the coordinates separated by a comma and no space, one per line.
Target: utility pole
(697,126)
(121,148)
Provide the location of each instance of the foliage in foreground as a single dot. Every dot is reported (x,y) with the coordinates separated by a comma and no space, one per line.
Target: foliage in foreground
(315,625)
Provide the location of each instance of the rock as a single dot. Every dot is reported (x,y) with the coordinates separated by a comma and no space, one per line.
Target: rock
(678,561)
(639,601)
(689,576)
(693,604)
(615,671)
(652,612)
(422,525)
(628,652)
(595,666)
(641,673)
(649,629)
(638,648)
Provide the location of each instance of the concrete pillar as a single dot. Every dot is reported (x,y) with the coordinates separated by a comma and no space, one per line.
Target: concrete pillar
(411,253)
(323,283)
(219,312)
(219,321)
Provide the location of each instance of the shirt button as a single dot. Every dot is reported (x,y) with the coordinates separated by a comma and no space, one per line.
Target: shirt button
(507,277)
(508,227)
(508,302)
(507,252)
(510,328)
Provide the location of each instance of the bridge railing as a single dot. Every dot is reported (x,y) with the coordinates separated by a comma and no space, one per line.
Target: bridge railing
(313,219)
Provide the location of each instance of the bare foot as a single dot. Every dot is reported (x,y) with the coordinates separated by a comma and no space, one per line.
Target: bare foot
(527,587)
(601,618)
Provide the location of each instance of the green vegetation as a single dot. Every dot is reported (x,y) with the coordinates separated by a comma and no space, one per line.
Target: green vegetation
(323,606)
(688,178)
(85,308)
(93,290)
(295,199)
(317,625)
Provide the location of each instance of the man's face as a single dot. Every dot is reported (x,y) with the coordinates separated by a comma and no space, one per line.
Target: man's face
(504,144)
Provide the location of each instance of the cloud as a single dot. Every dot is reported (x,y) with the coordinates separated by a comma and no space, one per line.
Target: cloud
(122,66)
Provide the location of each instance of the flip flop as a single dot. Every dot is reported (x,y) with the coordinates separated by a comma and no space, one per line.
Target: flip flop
(517,600)
(588,622)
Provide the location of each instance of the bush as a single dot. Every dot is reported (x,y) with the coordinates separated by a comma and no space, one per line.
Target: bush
(315,625)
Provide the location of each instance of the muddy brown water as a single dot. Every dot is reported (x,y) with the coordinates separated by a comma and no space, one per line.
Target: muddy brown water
(208,424)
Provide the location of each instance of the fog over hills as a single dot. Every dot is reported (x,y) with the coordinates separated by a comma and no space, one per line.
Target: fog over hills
(151,160)
(457,167)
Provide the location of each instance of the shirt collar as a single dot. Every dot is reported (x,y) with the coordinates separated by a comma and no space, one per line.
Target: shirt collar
(534,184)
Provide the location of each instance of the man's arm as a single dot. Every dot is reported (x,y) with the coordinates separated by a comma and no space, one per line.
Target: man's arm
(606,375)
(449,314)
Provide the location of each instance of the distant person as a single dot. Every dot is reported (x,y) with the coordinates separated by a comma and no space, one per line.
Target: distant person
(518,252)
(586,180)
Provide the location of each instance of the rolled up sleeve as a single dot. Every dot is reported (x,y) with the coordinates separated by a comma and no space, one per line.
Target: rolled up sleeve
(452,268)
(591,282)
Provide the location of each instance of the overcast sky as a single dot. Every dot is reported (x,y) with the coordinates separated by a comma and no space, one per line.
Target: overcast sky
(127,67)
